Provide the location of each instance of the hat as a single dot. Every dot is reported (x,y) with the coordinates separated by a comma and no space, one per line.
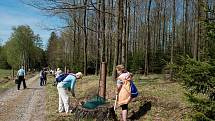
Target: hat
(79,74)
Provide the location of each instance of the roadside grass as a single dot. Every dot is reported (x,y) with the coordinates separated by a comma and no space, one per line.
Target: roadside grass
(4,73)
(5,80)
(167,99)
(170,102)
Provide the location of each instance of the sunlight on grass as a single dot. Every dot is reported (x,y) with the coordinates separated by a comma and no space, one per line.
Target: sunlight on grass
(5,82)
(171,101)
(4,73)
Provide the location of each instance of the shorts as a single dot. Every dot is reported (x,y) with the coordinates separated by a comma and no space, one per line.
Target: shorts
(124,107)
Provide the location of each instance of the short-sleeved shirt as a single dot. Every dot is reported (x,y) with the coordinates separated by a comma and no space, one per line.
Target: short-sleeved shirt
(21,72)
(122,77)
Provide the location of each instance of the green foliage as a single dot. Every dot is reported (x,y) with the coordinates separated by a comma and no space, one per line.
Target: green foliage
(23,48)
(210,26)
(3,59)
(135,62)
(54,51)
(157,62)
(199,79)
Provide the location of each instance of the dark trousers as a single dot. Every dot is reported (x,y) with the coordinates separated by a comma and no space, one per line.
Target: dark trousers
(21,79)
(45,79)
(41,81)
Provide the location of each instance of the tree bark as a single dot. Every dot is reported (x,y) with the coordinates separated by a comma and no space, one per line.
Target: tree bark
(98,14)
(147,43)
(85,38)
(119,36)
(173,38)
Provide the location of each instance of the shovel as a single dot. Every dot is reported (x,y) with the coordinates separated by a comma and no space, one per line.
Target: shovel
(115,102)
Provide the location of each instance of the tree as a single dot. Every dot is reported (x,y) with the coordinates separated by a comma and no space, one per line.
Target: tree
(54,52)
(22,47)
(173,37)
(119,37)
(147,43)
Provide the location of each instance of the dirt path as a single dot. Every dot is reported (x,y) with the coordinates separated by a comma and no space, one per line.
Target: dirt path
(23,105)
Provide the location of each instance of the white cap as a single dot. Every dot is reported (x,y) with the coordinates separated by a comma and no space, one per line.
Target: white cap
(79,74)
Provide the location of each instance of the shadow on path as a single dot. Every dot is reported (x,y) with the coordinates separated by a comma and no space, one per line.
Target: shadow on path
(34,88)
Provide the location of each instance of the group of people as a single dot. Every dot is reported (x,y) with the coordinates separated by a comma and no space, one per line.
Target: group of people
(67,85)
(123,90)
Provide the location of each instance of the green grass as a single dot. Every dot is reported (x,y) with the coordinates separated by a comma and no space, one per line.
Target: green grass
(4,73)
(168,99)
(5,80)
(171,102)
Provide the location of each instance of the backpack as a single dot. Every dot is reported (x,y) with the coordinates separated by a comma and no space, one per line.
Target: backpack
(134,91)
(62,77)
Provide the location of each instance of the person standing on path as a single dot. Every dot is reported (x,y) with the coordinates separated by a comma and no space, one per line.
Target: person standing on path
(42,77)
(21,78)
(63,88)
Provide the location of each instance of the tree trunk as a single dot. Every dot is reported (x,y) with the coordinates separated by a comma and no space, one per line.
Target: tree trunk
(147,43)
(98,14)
(85,38)
(164,28)
(128,31)
(173,37)
(119,36)
(103,55)
(185,27)
(124,39)
(102,83)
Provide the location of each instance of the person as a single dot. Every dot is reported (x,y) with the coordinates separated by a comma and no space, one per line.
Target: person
(21,78)
(42,77)
(123,89)
(63,88)
(57,74)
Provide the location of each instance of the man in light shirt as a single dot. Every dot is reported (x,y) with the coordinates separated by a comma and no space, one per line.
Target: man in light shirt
(21,78)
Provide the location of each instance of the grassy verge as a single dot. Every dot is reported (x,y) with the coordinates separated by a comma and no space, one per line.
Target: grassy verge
(170,102)
(5,81)
(167,98)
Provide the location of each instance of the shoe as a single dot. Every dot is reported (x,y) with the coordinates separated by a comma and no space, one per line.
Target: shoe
(57,111)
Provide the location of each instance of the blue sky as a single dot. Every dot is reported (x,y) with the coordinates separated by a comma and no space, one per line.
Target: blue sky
(14,12)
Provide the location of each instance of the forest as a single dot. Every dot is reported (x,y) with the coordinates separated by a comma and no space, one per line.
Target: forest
(172,37)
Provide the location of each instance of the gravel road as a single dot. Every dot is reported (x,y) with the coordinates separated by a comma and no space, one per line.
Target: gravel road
(23,105)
